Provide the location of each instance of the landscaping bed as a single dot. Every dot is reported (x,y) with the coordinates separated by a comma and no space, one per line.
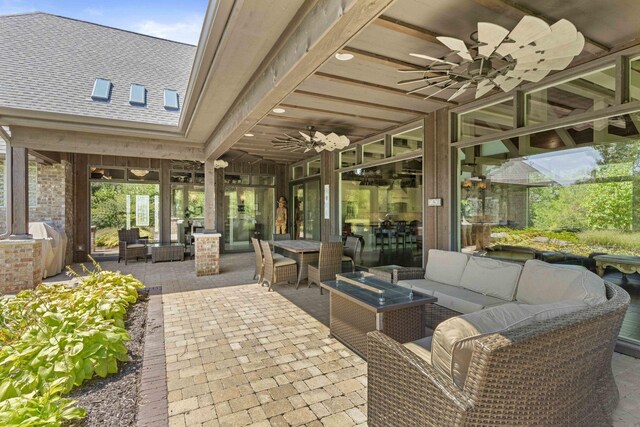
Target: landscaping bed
(112,401)
(56,338)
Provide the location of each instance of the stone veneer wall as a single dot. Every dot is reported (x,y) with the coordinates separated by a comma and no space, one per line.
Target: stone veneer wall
(207,254)
(54,201)
(20,265)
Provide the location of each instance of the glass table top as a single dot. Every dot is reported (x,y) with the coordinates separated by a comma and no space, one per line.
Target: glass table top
(373,291)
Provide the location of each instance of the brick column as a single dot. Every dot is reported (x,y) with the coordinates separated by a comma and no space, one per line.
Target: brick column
(207,254)
(20,265)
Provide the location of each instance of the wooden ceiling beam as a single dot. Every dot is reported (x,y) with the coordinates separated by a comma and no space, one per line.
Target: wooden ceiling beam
(407,29)
(351,101)
(381,59)
(517,12)
(339,113)
(322,128)
(379,88)
(313,37)
(306,122)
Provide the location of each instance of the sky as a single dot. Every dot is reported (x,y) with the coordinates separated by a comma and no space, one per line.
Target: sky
(179,20)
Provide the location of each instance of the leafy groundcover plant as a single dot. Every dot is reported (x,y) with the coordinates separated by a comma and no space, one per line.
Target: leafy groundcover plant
(54,338)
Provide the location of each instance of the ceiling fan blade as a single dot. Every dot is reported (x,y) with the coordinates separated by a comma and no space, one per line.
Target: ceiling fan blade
(528,30)
(456,45)
(460,91)
(507,83)
(431,58)
(562,33)
(424,79)
(437,92)
(569,49)
(412,71)
(543,64)
(484,87)
(491,35)
(430,85)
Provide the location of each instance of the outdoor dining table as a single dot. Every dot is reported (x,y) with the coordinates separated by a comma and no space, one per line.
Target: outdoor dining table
(303,252)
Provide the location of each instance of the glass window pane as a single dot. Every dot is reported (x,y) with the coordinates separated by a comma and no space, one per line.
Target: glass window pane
(348,158)
(485,121)
(373,151)
(101,173)
(313,167)
(298,172)
(263,180)
(141,174)
(408,141)
(237,179)
(198,177)
(592,92)
(634,79)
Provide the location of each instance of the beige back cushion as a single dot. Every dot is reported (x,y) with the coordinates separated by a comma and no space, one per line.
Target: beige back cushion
(453,339)
(491,277)
(445,266)
(542,283)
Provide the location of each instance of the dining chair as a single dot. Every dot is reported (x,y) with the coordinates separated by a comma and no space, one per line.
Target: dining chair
(350,251)
(401,231)
(259,260)
(277,270)
(329,263)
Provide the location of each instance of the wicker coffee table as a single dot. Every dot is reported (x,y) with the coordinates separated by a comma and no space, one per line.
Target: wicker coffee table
(361,303)
(166,252)
(393,273)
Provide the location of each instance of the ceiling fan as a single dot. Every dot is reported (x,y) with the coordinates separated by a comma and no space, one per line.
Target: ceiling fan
(499,58)
(313,140)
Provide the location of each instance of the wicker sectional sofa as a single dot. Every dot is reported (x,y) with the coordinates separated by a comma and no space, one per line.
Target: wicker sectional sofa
(533,347)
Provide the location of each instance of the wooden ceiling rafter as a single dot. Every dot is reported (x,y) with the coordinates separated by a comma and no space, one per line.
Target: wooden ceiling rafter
(322,128)
(381,59)
(373,105)
(408,29)
(339,113)
(380,88)
(275,116)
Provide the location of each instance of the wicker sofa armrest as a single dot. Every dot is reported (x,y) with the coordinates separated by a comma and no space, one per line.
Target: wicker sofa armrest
(408,273)
(404,389)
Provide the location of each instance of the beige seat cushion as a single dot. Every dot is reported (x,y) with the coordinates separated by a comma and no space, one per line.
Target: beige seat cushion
(445,266)
(421,347)
(542,283)
(277,256)
(135,245)
(283,261)
(463,300)
(453,339)
(491,277)
(425,286)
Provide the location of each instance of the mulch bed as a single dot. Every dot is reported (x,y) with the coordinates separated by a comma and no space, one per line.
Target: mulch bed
(112,401)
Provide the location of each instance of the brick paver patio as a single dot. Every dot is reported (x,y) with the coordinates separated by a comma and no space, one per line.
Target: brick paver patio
(239,355)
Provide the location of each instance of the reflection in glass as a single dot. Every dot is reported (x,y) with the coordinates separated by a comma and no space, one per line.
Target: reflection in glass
(592,92)
(348,158)
(406,142)
(373,151)
(634,79)
(561,196)
(248,212)
(485,121)
(383,204)
(306,210)
(313,167)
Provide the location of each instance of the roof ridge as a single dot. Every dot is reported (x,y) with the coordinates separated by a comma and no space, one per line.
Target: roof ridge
(96,24)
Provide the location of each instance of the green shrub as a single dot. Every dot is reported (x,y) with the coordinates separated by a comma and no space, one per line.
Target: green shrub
(54,338)
(615,240)
(108,237)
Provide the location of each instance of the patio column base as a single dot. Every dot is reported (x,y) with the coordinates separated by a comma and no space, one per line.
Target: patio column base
(207,254)
(20,264)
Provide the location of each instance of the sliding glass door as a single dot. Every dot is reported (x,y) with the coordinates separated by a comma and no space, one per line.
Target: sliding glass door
(306,210)
(249,211)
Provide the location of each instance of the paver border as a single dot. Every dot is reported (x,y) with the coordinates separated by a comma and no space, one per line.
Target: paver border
(153,405)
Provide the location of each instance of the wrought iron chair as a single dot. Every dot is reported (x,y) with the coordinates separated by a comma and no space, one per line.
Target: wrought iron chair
(131,246)
(351,250)
(329,263)
(277,270)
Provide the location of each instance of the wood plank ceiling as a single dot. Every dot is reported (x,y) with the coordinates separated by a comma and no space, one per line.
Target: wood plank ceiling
(360,98)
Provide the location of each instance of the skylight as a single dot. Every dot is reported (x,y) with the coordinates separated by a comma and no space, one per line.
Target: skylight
(171,99)
(101,90)
(137,95)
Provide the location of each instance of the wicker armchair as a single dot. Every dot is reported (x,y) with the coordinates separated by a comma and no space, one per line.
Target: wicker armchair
(329,263)
(277,270)
(259,260)
(557,372)
(131,246)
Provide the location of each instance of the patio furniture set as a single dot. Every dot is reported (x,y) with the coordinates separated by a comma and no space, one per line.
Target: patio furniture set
(132,246)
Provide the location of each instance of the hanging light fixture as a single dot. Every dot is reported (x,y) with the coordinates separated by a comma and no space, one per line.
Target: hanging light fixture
(499,58)
(220,164)
(314,140)
(140,173)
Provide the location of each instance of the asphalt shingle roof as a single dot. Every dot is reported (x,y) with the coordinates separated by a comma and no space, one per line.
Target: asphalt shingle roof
(50,63)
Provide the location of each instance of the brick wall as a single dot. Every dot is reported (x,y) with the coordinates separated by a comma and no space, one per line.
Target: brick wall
(54,201)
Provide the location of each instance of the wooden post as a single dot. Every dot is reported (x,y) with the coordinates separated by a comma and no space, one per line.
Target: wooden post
(327,175)
(18,200)
(209,195)
(81,230)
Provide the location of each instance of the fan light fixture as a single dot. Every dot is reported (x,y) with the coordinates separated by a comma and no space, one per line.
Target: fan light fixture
(220,164)
(140,173)
(314,140)
(248,134)
(278,110)
(499,58)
